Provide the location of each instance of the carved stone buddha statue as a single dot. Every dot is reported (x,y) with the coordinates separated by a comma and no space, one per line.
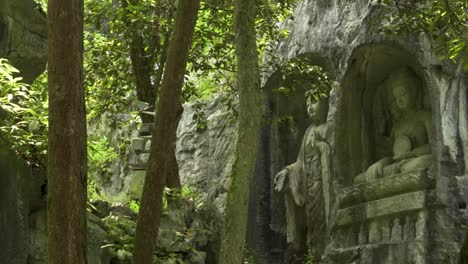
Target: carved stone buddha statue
(410,133)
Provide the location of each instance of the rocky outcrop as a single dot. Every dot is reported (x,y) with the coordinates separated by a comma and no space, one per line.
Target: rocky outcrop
(205,155)
(23,37)
(15,195)
(204,151)
(344,38)
(23,42)
(190,226)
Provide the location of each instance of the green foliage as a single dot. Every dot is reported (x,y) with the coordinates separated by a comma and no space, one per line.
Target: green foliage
(185,193)
(110,27)
(24,122)
(309,257)
(199,115)
(445,22)
(301,72)
(121,228)
(101,154)
(249,257)
(270,23)
(42,4)
(120,235)
(109,30)
(134,205)
(286,121)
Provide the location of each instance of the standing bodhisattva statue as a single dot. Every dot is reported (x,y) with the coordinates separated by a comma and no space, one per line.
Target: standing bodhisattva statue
(306,185)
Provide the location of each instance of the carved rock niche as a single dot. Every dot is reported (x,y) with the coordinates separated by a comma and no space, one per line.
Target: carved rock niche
(384,160)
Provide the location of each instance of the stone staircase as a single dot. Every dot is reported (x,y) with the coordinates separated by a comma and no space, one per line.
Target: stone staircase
(141,147)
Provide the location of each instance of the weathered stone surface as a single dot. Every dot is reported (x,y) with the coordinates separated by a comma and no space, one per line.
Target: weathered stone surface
(23,36)
(116,180)
(23,42)
(205,156)
(38,240)
(387,206)
(96,239)
(389,186)
(189,232)
(15,195)
(136,183)
(407,252)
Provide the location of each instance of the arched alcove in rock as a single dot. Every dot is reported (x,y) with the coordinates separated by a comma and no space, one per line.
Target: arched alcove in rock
(384,179)
(365,103)
(285,122)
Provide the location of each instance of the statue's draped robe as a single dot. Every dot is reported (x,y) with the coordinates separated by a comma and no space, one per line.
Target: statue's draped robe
(307,201)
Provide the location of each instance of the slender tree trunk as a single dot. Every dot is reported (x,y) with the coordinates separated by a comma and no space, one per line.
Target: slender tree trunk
(67,134)
(142,65)
(248,83)
(164,134)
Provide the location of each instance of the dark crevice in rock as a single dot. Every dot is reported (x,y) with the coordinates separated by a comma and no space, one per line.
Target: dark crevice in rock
(2,30)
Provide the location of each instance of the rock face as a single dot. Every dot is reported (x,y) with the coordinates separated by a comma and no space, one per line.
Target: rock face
(191,231)
(23,41)
(205,155)
(23,37)
(14,203)
(413,209)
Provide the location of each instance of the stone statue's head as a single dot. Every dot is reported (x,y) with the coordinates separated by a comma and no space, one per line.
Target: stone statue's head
(404,85)
(318,109)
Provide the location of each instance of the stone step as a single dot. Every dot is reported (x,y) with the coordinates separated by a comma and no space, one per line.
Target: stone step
(148,113)
(141,151)
(146,129)
(138,144)
(137,166)
(141,105)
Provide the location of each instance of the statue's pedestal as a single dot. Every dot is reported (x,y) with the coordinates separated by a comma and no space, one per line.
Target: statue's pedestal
(382,221)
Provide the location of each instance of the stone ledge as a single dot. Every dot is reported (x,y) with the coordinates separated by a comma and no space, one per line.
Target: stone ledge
(385,187)
(388,252)
(383,207)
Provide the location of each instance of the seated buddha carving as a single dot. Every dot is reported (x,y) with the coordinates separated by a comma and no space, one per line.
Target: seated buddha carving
(410,133)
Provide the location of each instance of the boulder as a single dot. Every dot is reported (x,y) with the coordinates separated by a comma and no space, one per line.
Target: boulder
(23,36)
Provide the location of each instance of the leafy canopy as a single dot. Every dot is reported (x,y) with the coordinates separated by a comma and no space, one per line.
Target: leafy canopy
(445,22)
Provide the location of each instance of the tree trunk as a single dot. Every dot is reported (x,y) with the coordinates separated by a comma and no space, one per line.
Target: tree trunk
(67,134)
(248,83)
(142,65)
(164,134)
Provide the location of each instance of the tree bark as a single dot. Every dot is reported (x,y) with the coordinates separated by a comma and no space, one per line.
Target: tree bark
(67,134)
(164,134)
(142,67)
(248,83)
